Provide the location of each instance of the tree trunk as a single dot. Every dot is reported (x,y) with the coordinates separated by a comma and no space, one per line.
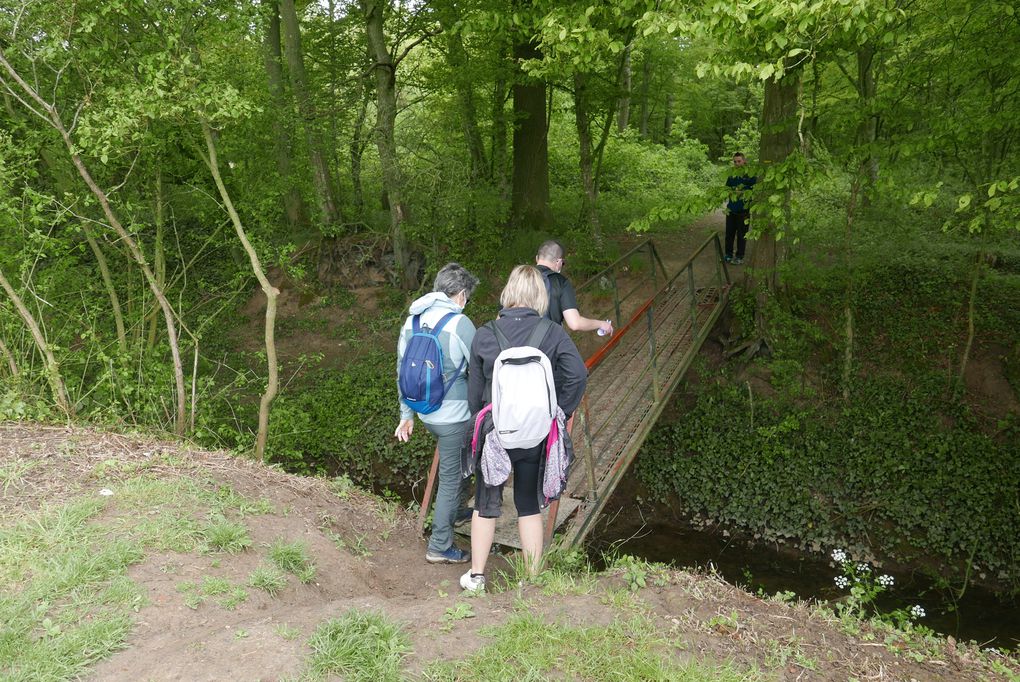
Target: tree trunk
(778,141)
(53,116)
(529,197)
(385,72)
(111,290)
(848,303)
(583,124)
(293,203)
(271,292)
(667,123)
(458,60)
(357,150)
(867,131)
(12,366)
(321,175)
(158,257)
(646,84)
(499,154)
(623,113)
(971,301)
(52,367)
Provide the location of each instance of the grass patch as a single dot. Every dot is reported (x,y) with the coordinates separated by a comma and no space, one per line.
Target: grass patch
(360,647)
(293,557)
(65,600)
(269,579)
(528,649)
(223,535)
(224,592)
(65,603)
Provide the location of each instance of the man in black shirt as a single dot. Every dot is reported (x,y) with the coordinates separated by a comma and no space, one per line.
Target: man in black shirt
(562,299)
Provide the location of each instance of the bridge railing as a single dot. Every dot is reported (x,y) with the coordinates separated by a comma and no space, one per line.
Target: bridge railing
(653,346)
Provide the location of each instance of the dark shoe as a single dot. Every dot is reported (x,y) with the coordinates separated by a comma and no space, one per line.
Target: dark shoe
(453,555)
(728,259)
(463,516)
(737,261)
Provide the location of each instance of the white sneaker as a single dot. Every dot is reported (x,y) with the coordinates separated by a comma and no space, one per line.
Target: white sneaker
(472,583)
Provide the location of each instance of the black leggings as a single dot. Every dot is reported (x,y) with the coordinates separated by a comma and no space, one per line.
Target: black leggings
(526,465)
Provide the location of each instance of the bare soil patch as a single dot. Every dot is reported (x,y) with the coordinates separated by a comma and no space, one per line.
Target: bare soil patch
(381,567)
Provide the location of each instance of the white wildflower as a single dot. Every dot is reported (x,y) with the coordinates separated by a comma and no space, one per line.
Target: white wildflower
(863,568)
(838,555)
(886,580)
(917,611)
(841,582)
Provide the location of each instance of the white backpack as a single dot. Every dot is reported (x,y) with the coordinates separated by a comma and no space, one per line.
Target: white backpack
(523,392)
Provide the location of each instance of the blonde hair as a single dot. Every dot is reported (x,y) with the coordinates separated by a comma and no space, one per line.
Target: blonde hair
(525,288)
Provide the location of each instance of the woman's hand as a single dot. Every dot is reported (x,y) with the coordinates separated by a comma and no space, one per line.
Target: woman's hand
(404,429)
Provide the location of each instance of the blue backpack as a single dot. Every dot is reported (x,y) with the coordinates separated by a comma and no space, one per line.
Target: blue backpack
(421,369)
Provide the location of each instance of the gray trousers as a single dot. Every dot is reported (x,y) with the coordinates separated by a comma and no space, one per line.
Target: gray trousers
(450,437)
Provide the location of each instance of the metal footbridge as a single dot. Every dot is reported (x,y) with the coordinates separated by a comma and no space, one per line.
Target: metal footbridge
(661,321)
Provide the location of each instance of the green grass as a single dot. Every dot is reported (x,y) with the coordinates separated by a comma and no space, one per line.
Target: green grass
(528,649)
(65,599)
(268,579)
(223,535)
(293,557)
(359,647)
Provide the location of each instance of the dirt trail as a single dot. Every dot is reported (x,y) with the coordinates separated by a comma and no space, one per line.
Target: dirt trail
(381,567)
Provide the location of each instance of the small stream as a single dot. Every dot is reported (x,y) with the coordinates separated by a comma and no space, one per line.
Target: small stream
(980,615)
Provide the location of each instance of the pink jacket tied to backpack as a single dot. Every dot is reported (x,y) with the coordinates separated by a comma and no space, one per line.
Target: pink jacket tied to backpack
(495,462)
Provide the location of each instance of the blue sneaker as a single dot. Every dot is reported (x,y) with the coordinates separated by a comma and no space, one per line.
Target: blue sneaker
(728,259)
(453,555)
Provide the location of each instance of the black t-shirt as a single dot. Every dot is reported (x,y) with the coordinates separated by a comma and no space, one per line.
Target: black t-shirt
(561,295)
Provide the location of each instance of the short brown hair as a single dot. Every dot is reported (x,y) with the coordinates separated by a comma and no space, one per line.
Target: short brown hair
(525,288)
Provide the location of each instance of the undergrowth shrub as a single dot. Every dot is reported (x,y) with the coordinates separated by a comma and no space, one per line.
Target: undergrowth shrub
(880,473)
(342,421)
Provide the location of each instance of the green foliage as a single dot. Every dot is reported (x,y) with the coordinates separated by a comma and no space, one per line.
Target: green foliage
(268,579)
(342,422)
(222,535)
(626,650)
(360,647)
(293,557)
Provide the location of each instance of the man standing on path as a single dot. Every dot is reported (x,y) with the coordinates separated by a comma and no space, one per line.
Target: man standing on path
(738,210)
(562,299)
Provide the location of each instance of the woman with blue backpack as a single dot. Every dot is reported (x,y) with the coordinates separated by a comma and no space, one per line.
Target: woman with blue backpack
(527,378)
(432,363)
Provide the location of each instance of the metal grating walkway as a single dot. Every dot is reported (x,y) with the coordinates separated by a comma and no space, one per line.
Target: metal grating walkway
(661,322)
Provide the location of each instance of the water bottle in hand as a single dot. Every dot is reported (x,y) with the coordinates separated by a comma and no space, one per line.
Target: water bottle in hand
(601,331)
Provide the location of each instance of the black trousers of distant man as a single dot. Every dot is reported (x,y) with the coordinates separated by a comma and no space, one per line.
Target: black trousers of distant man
(736,229)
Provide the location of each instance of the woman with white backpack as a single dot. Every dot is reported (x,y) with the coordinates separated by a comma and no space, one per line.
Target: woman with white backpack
(512,362)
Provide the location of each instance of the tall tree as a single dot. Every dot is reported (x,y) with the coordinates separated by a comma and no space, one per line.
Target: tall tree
(294,208)
(529,196)
(329,205)
(385,70)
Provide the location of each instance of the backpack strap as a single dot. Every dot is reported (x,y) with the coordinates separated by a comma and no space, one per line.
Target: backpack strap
(553,290)
(501,339)
(416,324)
(536,338)
(439,325)
(540,331)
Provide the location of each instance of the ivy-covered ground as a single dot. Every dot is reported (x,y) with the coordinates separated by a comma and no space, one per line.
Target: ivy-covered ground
(123,558)
(908,460)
